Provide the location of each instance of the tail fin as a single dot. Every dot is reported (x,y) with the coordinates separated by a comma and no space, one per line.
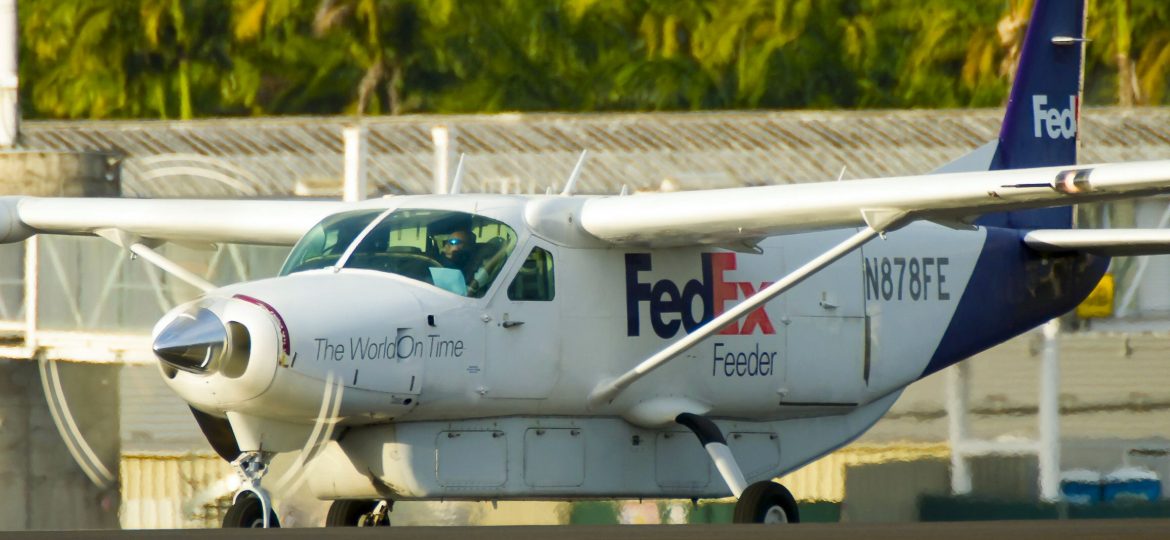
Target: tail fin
(1040,127)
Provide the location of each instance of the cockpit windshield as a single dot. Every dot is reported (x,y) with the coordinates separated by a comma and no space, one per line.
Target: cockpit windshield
(455,251)
(327,241)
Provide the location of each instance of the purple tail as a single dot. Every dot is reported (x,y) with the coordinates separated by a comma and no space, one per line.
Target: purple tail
(1040,127)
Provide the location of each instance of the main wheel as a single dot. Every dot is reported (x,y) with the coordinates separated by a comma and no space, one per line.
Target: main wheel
(248,513)
(354,513)
(766,502)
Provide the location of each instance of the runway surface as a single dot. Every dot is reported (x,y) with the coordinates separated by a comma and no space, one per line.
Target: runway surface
(1130,529)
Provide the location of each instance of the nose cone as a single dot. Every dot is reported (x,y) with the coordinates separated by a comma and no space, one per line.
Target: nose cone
(192,342)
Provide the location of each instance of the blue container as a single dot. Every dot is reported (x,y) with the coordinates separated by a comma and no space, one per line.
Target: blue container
(1081,486)
(1131,484)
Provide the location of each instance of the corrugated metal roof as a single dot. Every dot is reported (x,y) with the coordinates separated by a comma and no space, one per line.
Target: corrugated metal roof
(531,152)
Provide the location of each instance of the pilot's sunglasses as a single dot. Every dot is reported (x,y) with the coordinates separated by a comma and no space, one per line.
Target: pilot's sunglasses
(453,241)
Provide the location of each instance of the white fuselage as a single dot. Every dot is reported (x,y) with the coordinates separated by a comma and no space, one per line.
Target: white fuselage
(445,396)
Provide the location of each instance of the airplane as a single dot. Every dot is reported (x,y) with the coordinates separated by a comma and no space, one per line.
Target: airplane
(487,347)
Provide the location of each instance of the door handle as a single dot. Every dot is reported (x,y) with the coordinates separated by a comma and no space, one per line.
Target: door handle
(510,324)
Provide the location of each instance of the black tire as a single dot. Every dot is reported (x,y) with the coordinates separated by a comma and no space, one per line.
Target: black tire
(351,513)
(766,502)
(248,513)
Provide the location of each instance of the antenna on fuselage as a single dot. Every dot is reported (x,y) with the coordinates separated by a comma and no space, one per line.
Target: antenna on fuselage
(625,190)
(457,182)
(571,183)
(839,176)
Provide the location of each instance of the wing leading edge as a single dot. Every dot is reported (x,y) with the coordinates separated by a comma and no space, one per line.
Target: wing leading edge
(740,214)
(235,221)
(711,217)
(1109,242)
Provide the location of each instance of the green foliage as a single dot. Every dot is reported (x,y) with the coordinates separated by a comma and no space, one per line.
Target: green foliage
(182,59)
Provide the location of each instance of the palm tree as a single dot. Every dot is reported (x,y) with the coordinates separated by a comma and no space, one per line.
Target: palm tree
(185,52)
(279,67)
(384,38)
(527,55)
(75,56)
(1133,38)
(1152,26)
(746,36)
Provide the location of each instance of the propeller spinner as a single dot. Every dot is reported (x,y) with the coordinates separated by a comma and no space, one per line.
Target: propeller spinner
(193,342)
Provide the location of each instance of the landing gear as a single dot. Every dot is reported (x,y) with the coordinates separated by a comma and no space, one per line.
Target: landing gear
(716,445)
(359,513)
(248,513)
(761,502)
(252,507)
(766,502)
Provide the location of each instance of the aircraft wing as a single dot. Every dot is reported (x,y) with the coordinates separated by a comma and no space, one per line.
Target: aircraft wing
(240,221)
(729,216)
(1111,242)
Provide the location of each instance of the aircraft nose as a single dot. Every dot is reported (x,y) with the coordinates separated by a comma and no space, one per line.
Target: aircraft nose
(192,342)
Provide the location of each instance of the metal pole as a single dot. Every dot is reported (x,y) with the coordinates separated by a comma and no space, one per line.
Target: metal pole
(1049,414)
(959,424)
(355,188)
(444,139)
(9,78)
(31,265)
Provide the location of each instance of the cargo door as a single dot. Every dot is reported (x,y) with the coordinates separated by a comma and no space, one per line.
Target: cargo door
(826,326)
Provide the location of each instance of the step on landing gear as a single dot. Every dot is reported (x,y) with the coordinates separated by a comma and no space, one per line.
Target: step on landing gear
(359,513)
(761,502)
(252,507)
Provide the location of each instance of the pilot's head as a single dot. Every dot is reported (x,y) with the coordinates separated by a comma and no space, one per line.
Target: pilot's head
(457,247)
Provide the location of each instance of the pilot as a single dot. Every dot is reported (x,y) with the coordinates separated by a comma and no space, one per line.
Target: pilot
(455,247)
(459,251)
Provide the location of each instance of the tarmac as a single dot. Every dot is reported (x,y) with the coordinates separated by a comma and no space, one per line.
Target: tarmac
(1129,529)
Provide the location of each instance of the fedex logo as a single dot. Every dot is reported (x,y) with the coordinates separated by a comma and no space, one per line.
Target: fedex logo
(1054,122)
(672,307)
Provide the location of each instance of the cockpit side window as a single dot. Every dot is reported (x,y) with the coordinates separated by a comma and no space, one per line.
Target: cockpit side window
(534,281)
(455,251)
(325,243)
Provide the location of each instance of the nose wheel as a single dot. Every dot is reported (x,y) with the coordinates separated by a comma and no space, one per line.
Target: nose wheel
(252,507)
(248,513)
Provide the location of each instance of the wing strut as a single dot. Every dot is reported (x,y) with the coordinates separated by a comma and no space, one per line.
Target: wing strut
(123,239)
(608,390)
